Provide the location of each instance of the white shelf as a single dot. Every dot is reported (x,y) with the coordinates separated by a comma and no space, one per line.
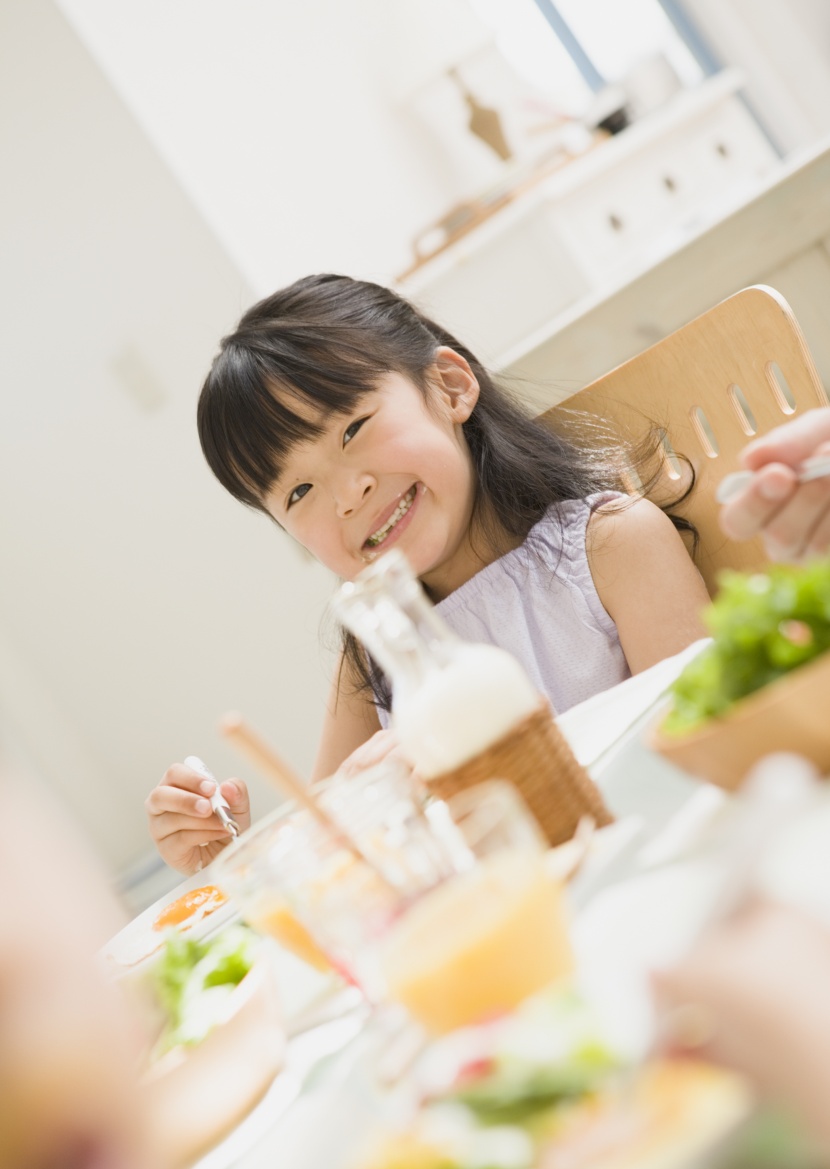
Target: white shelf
(597,220)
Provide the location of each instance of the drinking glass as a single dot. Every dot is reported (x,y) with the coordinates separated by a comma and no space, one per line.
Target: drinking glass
(328,895)
(491,934)
(243,871)
(406,836)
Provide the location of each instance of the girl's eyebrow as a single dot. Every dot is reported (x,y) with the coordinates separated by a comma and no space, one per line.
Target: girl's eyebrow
(284,484)
(283,481)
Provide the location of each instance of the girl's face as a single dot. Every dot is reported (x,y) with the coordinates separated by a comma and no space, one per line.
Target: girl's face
(396,472)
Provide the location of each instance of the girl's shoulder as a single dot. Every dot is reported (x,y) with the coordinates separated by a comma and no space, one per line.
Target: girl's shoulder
(622,519)
(646,580)
(629,536)
(555,549)
(576,511)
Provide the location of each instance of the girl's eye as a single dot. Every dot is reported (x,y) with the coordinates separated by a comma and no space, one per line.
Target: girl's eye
(298,493)
(352,429)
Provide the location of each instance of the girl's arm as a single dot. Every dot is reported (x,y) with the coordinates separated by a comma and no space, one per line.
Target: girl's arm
(350,721)
(646,580)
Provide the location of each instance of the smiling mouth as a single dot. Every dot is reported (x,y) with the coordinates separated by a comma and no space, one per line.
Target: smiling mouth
(377,538)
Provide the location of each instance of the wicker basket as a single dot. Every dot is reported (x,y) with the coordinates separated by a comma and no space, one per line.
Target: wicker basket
(535,756)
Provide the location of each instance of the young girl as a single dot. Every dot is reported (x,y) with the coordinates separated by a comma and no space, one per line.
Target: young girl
(358,425)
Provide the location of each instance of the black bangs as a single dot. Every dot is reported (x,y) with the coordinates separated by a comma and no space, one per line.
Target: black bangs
(267,394)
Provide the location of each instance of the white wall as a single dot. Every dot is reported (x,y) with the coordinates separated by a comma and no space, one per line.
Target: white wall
(286,124)
(137,601)
(784,52)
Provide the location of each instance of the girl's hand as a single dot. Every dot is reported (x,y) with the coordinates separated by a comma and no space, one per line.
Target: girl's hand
(382,745)
(184,827)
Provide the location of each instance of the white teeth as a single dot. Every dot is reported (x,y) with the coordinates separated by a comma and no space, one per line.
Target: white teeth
(399,512)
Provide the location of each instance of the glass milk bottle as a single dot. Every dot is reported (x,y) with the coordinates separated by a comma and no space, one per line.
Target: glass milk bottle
(450,698)
(463,712)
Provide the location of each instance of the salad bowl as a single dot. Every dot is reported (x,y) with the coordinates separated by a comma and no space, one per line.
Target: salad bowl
(790,714)
(762,684)
(217,1059)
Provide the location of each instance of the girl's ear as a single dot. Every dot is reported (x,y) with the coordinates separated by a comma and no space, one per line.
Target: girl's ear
(455,382)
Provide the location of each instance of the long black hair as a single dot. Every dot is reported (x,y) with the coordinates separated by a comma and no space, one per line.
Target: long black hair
(314,348)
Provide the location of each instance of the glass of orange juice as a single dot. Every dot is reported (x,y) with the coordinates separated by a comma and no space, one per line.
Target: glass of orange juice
(489,936)
(245,872)
(304,886)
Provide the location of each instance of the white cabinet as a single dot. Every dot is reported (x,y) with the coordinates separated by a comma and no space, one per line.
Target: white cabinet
(599,219)
(780,236)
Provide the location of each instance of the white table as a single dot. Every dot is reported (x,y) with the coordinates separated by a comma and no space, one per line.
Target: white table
(635,908)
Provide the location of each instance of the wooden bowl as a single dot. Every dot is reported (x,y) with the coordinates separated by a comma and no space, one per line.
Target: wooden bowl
(791,714)
(194,1096)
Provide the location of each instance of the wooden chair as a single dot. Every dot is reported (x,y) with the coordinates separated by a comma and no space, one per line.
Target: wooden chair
(738,370)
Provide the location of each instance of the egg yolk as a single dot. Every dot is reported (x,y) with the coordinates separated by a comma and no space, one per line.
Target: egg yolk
(204,900)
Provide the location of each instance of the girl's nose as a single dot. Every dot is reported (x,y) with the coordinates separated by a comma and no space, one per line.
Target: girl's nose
(352,493)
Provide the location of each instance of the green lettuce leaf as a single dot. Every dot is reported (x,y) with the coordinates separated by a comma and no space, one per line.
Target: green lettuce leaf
(551,1050)
(763,625)
(194,979)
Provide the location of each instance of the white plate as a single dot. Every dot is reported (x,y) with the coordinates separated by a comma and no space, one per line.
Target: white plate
(138,941)
(308,997)
(264,1136)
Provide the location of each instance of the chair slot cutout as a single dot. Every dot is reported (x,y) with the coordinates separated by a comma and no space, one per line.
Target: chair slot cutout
(705,434)
(632,481)
(780,388)
(742,408)
(671,463)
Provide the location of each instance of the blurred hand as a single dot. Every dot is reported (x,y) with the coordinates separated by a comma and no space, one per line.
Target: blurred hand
(792,518)
(69,1050)
(184,827)
(757,990)
(382,745)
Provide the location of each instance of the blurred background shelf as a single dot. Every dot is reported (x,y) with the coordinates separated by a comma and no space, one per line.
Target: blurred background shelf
(780,237)
(598,218)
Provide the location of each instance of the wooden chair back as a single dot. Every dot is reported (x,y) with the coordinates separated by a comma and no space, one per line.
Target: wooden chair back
(738,370)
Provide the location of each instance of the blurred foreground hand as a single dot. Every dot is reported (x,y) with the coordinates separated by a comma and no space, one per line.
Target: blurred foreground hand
(758,991)
(68,1052)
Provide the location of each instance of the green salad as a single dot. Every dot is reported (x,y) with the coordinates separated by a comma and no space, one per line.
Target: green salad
(550,1050)
(763,625)
(499,1107)
(193,980)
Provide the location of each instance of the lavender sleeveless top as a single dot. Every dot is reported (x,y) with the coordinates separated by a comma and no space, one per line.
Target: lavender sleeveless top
(539,603)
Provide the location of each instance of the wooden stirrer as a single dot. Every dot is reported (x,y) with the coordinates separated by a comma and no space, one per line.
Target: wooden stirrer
(251,744)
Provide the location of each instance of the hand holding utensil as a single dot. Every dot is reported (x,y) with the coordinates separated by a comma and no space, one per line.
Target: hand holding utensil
(217,801)
(732,485)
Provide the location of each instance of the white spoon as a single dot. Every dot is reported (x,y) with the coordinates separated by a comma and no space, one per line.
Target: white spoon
(734,484)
